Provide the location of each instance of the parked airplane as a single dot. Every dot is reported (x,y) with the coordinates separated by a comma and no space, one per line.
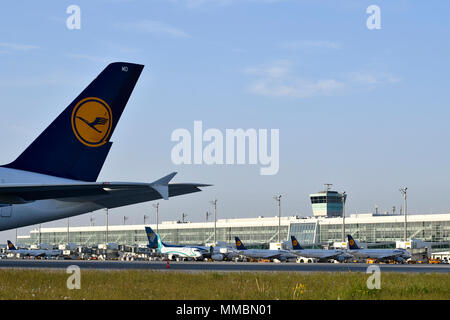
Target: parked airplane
(55,177)
(398,255)
(320,254)
(33,252)
(216,253)
(174,251)
(281,255)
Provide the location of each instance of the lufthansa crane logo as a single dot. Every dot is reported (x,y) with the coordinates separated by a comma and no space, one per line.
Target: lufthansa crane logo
(351,242)
(295,243)
(238,243)
(92,121)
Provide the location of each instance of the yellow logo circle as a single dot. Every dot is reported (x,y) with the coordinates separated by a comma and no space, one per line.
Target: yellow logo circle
(92,121)
(295,243)
(352,242)
(238,243)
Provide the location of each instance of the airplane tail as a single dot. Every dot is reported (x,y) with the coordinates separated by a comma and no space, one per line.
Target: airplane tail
(10,245)
(295,244)
(76,144)
(352,243)
(152,238)
(239,244)
(159,242)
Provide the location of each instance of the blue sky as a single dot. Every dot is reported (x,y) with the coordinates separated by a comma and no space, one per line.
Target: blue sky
(366,110)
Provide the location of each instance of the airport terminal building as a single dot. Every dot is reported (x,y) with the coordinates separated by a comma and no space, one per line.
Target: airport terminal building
(367,228)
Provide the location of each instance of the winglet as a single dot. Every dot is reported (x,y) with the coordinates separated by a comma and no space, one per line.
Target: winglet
(162,185)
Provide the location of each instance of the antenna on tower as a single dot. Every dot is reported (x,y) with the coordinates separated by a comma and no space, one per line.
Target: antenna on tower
(328,185)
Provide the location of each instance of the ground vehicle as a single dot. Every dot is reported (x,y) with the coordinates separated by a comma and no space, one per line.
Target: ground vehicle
(434,261)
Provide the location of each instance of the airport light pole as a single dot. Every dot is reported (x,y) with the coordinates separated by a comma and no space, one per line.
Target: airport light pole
(92,221)
(107,222)
(39,240)
(183,215)
(207,215)
(145,219)
(343,216)
(403,191)
(68,224)
(214,203)
(156,205)
(278,199)
(125,218)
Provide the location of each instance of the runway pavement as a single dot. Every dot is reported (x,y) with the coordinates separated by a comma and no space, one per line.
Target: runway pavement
(221,266)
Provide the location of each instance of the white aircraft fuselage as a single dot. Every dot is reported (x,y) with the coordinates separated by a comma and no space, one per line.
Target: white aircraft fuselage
(318,253)
(379,253)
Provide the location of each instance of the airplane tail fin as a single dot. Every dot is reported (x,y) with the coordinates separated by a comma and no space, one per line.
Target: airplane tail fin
(239,244)
(352,243)
(295,244)
(152,238)
(159,242)
(76,143)
(10,245)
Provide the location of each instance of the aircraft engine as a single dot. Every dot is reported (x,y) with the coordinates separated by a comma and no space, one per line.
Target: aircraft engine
(217,257)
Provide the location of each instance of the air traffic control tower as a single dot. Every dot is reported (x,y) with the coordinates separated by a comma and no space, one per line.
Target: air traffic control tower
(327,203)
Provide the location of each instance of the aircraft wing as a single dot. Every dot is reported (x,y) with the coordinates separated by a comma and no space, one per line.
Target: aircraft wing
(23,193)
(259,255)
(387,256)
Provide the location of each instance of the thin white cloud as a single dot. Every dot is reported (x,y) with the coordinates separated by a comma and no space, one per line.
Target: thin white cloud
(91,58)
(312,44)
(296,88)
(279,80)
(8,46)
(53,78)
(277,70)
(200,3)
(154,27)
(373,78)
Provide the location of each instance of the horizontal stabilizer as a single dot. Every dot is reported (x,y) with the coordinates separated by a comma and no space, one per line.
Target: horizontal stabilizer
(162,185)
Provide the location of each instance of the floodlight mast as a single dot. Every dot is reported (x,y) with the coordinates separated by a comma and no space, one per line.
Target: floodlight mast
(403,191)
(68,225)
(343,216)
(214,203)
(107,223)
(156,205)
(278,199)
